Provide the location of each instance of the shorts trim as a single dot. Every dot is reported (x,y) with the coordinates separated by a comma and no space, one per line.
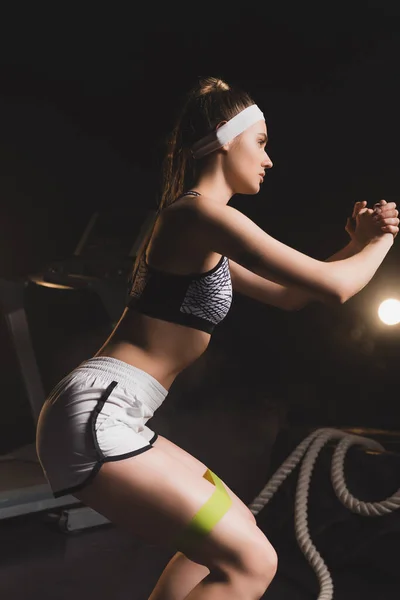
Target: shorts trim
(102,459)
(97,468)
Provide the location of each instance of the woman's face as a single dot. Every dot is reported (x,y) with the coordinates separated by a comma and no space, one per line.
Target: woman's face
(246,159)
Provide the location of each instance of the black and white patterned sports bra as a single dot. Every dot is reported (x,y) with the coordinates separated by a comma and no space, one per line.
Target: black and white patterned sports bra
(198,300)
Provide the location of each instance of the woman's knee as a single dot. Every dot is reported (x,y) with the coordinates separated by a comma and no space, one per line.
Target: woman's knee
(258,560)
(239,551)
(250,571)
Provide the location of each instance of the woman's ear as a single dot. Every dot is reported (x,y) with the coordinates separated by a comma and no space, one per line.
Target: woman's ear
(225,146)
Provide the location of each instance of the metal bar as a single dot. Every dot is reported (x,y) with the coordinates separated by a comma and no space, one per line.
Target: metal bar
(86,234)
(12,300)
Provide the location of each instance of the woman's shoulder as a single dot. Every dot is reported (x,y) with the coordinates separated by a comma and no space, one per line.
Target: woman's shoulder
(183,209)
(193,206)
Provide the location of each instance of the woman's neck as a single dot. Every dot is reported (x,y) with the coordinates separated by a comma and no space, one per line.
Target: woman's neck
(214,185)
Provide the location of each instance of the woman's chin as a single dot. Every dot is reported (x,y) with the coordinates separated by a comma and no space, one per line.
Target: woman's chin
(255,189)
(250,190)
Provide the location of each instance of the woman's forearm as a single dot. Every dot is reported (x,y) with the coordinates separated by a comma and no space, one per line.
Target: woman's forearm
(298,298)
(349,250)
(350,275)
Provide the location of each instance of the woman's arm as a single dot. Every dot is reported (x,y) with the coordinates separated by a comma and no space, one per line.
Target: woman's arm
(274,294)
(229,232)
(295,298)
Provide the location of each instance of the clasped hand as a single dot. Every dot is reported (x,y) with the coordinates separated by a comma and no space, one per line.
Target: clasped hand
(366,224)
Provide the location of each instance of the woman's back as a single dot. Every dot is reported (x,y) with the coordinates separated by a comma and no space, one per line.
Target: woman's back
(163,335)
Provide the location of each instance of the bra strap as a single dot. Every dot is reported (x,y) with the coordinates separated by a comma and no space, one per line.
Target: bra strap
(190,193)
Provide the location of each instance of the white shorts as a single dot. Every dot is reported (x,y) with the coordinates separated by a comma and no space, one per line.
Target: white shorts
(97,413)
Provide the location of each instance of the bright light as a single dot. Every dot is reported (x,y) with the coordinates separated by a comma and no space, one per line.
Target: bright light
(389,311)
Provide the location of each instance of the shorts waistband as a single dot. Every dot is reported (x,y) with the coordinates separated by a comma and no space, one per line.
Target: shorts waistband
(111,369)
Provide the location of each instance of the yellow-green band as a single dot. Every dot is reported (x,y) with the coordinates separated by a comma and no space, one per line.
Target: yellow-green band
(208,515)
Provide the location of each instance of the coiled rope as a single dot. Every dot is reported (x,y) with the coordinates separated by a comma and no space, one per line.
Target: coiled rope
(310,447)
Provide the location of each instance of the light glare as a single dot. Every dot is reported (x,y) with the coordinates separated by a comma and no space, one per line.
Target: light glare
(389,311)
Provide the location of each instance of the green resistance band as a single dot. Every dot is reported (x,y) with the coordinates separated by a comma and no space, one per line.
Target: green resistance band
(208,515)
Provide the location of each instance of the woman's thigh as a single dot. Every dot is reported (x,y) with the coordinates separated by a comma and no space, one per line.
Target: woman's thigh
(155,497)
(199,468)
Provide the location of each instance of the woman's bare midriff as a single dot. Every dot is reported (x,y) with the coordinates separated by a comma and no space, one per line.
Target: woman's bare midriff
(160,348)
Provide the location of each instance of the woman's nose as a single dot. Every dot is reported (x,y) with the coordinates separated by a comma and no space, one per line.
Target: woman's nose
(267,164)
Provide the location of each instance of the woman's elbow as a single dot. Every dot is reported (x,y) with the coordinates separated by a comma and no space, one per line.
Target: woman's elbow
(337,298)
(297,305)
(332,297)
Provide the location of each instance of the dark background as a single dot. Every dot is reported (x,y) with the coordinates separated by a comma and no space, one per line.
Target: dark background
(86,101)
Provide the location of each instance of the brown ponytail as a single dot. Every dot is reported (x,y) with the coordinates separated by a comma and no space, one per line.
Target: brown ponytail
(209,102)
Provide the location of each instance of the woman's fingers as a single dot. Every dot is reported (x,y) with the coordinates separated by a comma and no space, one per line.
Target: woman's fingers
(386,214)
(391,221)
(357,207)
(390,229)
(383,207)
(380,203)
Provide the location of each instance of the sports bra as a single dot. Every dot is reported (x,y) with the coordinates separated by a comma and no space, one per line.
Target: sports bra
(198,300)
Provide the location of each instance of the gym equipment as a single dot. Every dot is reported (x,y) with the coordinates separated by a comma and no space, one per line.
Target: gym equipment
(309,448)
(99,264)
(102,260)
(208,516)
(23,488)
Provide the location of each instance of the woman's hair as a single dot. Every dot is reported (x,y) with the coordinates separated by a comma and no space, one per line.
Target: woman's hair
(209,102)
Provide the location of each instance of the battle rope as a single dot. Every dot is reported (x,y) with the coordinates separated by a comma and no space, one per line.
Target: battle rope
(310,447)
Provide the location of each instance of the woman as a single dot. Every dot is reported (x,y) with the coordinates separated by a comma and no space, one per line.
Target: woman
(92,437)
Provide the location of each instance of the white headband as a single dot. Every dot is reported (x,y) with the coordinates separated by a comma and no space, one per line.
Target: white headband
(228,131)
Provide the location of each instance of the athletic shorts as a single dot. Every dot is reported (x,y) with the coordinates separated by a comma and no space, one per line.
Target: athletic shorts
(97,413)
